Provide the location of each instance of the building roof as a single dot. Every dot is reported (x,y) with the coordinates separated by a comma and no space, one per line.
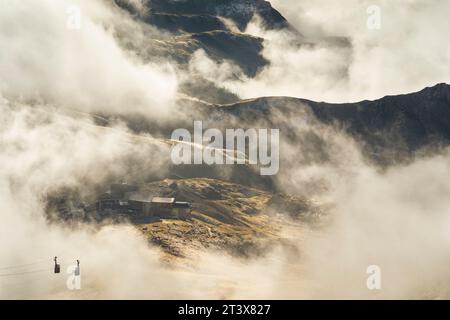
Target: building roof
(182,204)
(163,200)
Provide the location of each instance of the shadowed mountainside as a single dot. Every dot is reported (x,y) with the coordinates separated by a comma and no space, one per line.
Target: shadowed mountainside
(241,220)
(389,128)
(234,208)
(213,26)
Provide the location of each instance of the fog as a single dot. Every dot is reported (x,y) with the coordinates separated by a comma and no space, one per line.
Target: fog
(52,78)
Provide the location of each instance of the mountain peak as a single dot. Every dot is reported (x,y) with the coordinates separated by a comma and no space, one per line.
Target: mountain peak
(439,86)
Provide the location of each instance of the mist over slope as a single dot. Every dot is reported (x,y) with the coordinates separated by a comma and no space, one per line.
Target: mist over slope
(390,129)
(320,62)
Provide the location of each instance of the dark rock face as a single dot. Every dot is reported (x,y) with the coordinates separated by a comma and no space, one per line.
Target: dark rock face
(202,15)
(406,122)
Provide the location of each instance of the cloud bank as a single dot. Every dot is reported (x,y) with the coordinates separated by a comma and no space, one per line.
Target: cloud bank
(47,58)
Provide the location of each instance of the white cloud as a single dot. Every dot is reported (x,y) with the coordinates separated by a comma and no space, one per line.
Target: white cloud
(86,69)
(408,53)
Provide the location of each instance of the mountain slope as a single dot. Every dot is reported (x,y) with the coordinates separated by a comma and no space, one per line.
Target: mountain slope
(390,128)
